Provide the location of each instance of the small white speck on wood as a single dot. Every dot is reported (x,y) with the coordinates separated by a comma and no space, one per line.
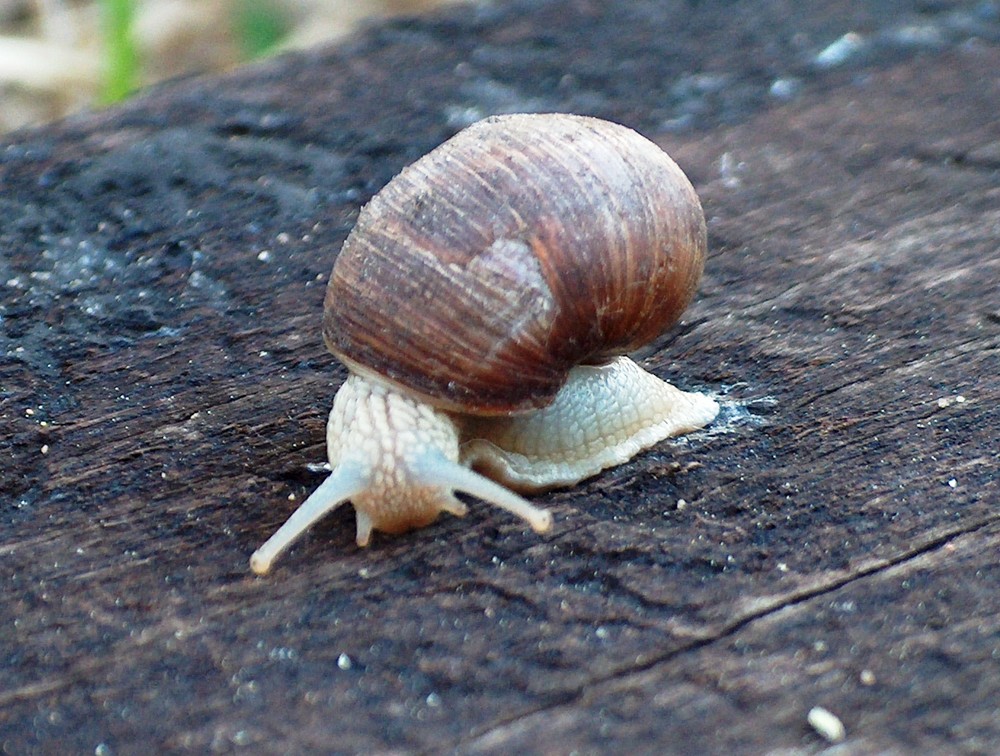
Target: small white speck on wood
(827,724)
(840,51)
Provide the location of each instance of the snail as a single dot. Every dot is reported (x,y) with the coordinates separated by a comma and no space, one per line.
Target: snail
(483,305)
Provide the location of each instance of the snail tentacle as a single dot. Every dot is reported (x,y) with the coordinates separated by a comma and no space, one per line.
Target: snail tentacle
(344,483)
(459,478)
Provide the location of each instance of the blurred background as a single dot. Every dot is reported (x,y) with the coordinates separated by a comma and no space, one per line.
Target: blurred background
(57,56)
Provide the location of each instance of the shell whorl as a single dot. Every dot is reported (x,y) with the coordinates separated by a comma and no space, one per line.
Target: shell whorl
(521,247)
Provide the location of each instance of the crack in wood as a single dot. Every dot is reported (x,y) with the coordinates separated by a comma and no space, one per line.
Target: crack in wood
(489,738)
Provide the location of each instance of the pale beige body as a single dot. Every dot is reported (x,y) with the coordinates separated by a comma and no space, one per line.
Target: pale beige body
(399,460)
(602,417)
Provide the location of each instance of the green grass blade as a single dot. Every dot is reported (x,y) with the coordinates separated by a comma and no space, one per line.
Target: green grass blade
(121,74)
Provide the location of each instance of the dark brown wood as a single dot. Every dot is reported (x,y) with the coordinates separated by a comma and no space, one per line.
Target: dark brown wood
(831,541)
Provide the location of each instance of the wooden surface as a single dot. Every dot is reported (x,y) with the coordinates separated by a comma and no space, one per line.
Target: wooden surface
(831,541)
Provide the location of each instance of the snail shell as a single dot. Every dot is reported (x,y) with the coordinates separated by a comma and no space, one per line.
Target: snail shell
(482,304)
(522,247)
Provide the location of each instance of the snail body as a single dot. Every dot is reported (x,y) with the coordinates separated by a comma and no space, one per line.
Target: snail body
(483,304)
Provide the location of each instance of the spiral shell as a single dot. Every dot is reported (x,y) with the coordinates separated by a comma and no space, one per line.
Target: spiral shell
(520,248)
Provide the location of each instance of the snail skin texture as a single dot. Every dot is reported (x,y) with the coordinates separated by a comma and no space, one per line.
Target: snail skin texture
(483,304)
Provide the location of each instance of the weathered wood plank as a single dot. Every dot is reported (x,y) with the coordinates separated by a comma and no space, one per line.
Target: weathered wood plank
(164,388)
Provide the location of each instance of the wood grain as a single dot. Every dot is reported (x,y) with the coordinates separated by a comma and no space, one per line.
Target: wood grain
(831,541)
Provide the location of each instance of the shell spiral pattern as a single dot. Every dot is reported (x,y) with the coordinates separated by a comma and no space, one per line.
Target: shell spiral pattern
(522,247)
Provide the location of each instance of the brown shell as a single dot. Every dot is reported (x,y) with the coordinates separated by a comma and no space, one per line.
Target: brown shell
(521,247)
